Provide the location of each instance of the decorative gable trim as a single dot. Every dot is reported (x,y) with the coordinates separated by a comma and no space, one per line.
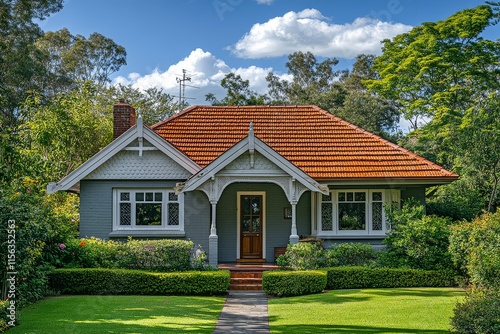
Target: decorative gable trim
(250,145)
(138,132)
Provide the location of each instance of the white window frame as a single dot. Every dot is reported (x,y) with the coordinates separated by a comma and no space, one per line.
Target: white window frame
(164,210)
(388,196)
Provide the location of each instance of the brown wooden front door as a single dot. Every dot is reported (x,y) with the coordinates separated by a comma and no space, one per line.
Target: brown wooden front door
(251,226)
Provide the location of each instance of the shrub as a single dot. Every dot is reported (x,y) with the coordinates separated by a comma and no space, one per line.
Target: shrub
(302,256)
(416,240)
(152,255)
(366,277)
(478,313)
(137,282)
(293,283)
(474,247)
(350,254)
(32,228)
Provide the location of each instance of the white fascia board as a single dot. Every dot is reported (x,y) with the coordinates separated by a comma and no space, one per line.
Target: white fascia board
(70,180)
(241,147)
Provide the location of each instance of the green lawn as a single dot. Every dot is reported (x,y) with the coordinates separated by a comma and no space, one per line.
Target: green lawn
(405,311)
(120,314)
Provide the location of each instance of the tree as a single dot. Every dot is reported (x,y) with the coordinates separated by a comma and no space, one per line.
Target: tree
(20,67)
(70,59)
(238,92)
(153,103)
(438,70)
(447,74)
(366,109)
(312,82)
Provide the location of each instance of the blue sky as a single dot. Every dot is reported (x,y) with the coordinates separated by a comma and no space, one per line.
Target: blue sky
(210,38)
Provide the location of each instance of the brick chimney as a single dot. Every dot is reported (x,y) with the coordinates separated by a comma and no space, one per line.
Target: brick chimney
(123,118)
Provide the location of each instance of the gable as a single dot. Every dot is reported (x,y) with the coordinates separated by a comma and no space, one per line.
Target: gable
(139,140)
(128,165)
(261,164)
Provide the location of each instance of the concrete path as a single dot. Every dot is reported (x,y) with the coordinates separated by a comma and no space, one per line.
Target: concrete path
(244,312)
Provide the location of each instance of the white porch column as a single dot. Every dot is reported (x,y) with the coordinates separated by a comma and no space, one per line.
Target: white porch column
(213,239)
(294,238)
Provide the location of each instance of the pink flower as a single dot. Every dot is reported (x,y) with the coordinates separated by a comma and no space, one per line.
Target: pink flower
(28,191)
(62,246)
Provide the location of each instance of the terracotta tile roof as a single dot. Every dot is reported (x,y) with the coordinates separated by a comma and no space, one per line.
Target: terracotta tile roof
(322,145)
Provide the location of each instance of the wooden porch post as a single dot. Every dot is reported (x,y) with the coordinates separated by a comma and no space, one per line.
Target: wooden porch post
(294,238)
(213,239)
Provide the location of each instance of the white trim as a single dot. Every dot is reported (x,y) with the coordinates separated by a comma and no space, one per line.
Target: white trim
(132,228)
(388,196)
(139,130)
(238,220)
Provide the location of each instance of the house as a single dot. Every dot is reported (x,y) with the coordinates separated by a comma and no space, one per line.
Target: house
(242,180)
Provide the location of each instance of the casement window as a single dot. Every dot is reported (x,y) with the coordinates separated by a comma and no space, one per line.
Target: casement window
(148,209)
(354,212)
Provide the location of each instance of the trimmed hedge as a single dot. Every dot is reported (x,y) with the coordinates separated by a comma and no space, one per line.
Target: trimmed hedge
(94,281)
(366,277)
(293,283)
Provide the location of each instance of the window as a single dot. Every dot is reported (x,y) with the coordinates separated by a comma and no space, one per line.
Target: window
(352,212)
(151,208)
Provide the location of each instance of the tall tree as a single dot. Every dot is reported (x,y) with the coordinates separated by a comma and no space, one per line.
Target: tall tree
(238,92)
(447,74)
(20,67)
(363,108)
(75,58)
(312,82)
(438,70)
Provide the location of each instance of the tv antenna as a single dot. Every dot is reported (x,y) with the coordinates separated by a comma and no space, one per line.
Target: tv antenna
(182,88)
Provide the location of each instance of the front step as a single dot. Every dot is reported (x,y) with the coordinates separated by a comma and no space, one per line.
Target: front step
(246,276)
(244,280)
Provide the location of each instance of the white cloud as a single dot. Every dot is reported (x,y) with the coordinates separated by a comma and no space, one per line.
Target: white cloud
(309,30)
(206,72)
(265,2)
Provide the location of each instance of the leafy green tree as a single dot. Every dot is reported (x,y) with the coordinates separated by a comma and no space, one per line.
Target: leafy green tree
(440,69)
(312,82)
(71,59)
(153,103)
(20,66)
(366,109)
(238,93)
(60,135)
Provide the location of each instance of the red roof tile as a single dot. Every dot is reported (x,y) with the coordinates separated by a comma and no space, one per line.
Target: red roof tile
(322,145)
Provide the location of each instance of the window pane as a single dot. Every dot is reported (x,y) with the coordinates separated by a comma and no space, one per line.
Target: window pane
(256,224)
(377,196)
(148,214)
(149,197)
(326,198)
(341,197)
(326,217)
(158,197)
(125,214)
(124,196)
(172,197)
(350,197)
(360,196)
(139,197)
(352,216)
(255,205)
(173,213)
(377,216)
